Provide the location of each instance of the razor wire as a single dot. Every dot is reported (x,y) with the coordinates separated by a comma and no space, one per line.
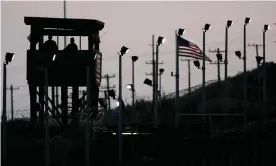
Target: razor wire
(186,91)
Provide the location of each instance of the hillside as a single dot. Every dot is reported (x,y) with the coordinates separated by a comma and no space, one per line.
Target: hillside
(215,100)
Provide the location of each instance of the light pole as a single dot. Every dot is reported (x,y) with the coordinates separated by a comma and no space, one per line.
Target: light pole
(247,21)
(228,25)
(47,145)
(266,27)
(123,51)
(134,59)
(131,88)
(8,58)
(64,16)
(161,71)
(178,34)
(160,41)
(87,117)
(205,29)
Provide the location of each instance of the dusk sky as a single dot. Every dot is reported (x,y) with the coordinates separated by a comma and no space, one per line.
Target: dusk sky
(132,24)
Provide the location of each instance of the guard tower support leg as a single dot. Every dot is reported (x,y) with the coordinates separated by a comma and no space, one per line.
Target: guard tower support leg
(53,100)
(32,88)
(33,111)
(94,89)
(75,97)
(64,103)
(41,102)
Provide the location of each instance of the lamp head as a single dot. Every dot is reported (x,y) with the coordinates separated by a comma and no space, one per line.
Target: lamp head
(207,27)
(112,93)
(124,50)
(119,102)
(103,102)
(161,70)
(181,32)
(9,57)
(247,20)
(266,27)
(54,57)
(160,40)
(134,58)
(219,57)
(130,87)
(238,54)
(259,59)
(197,63)
(229,23)
(148,82)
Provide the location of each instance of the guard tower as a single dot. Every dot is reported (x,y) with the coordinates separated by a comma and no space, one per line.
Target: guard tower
(66,69)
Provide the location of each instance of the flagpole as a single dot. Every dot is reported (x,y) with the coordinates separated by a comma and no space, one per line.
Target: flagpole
(203,76)
(177,81)
(64,16)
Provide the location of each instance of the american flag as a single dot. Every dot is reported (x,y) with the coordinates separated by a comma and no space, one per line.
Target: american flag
(190,50)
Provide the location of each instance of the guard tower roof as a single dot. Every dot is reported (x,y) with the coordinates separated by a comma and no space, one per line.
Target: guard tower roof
(76,24)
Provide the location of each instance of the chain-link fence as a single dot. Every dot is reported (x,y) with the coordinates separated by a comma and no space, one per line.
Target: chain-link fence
(19,114)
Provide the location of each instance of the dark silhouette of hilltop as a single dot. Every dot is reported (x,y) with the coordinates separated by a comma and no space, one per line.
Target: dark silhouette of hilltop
(215,100)
(167,145)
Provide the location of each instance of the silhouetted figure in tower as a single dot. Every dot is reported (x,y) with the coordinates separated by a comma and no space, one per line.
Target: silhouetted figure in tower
(72,47)
(50,46)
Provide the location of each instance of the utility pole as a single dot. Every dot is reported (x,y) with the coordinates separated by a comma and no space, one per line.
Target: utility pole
(153,72)
(87,117)
(108,87)
(153,63)
(218,62)
(189,75)
(258,65)
(12,89)
(46,120)
(154,99)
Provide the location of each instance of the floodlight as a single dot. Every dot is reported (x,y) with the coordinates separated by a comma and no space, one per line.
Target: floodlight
(207,27)
(259,59)
(9,57)
(103,102)
(219,57)
(124,50)
(181,31)
(229,23)
(160,40)
(134,58)
(266,27)
(238,54)
(54,57)
(247,20)
(112,93)
(118,103)
(161,70)
(130,87)
(148,82)
(197,64)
